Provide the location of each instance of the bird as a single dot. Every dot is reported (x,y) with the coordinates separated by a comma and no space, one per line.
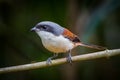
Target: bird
(58,39)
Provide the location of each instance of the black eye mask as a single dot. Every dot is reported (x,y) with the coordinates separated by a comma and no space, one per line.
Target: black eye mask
(50,27)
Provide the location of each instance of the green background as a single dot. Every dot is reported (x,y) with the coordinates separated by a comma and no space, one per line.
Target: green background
(94,21)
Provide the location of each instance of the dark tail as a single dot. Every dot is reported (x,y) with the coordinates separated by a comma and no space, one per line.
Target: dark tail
(92,46)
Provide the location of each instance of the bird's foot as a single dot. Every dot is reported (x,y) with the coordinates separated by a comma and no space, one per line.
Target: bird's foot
(69,58)
(49,61)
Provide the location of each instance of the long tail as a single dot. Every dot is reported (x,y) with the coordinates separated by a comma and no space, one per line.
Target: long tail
(92,46)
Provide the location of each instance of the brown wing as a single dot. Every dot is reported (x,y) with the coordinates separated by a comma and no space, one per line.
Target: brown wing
(76,40)
(71,36)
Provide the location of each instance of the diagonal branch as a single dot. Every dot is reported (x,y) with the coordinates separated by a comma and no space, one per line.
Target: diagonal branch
(90,56)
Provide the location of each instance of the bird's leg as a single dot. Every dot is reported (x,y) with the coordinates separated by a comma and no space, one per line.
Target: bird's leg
(69,59)
(50,58)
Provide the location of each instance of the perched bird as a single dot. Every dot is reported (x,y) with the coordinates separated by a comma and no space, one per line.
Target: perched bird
(58,39)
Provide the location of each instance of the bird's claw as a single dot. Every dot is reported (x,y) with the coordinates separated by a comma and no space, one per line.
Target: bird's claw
(69,60)
(49,61)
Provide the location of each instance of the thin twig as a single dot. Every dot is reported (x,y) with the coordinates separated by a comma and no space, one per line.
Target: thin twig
(90,56)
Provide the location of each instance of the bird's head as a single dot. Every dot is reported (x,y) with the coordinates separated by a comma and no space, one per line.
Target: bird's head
(49,27)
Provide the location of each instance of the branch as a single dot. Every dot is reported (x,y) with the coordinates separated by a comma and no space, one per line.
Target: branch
(90,56)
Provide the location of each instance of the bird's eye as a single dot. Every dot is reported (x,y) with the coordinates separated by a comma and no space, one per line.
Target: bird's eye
(44,27)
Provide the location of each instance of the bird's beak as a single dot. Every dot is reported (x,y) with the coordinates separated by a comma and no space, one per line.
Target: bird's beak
(33,29)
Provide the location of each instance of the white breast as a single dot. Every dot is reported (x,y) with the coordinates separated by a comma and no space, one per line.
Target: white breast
(56,44)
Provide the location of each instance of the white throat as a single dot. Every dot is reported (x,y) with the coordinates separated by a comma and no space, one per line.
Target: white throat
(56,44)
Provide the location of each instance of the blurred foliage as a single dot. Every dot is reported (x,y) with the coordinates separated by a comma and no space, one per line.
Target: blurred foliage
(98,22)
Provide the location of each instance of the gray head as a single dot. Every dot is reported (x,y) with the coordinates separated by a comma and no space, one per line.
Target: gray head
(49,26)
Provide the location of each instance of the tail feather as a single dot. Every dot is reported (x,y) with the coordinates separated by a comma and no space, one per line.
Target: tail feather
(92,46)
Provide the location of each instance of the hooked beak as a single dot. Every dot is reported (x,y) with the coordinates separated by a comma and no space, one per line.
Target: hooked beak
(33,29)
